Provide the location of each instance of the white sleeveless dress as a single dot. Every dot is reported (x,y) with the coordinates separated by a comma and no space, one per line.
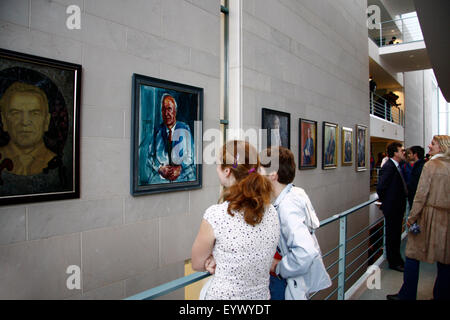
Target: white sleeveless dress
(243,254)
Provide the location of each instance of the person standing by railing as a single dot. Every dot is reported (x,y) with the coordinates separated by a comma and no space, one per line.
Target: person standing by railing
(392,192)
(299,270)
(407,165)
(431,212)
(237,238)
(417,155)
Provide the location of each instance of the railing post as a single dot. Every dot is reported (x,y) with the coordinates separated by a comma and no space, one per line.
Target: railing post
(342,251)
(381,35)
(385,110)
(371,102)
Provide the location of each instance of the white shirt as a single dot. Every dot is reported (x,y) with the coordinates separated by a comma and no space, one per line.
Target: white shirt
(243,254)
(396,163)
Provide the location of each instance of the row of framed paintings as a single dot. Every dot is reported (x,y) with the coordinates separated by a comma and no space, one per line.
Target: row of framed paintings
(40,132)
(277,124)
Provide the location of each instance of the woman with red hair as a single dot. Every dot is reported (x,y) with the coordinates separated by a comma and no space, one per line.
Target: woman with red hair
(237,238)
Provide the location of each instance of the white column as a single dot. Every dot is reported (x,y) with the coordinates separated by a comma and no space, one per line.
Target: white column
(235,70)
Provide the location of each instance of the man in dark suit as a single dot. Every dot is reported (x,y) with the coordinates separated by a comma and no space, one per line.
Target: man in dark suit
(308,150)
(329,153)
(392,192)
(417,153)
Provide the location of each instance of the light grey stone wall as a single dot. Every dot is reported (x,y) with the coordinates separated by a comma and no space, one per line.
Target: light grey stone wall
(310,59)
(431,114)
(414,97)
(419,123)
(123,244)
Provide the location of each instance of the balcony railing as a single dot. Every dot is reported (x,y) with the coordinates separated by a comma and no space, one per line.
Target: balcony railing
(367,251)
(383,109)
(405,30)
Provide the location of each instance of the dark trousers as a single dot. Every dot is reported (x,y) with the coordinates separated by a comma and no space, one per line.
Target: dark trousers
(393,223)
(277,288)
(408,290)
(441,290)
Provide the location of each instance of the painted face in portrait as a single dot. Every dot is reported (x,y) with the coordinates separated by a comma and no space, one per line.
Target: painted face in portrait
(169,111)
(276,122)
(26,118)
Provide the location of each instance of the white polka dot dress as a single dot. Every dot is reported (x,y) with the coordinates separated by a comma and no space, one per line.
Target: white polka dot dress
(243,254)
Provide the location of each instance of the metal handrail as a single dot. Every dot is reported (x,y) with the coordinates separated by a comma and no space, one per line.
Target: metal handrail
(168,287)
(346,213)
(361,243)
(342,217)
(383,109)
(362,264)
(366,228)
(406,30)
(399,19)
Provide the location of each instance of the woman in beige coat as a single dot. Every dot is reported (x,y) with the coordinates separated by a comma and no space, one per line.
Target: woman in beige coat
(431,211)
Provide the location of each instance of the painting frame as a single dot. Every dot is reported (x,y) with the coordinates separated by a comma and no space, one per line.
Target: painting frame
(303,126)
(268,116)
(55,87)
(327,147)
(148,95)
(359,128)
(345,131)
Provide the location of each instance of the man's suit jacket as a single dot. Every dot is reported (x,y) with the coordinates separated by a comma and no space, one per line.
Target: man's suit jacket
(310,147)
(390,189)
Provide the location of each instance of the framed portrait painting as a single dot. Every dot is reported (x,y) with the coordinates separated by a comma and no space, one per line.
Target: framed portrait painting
(361,147)
(166,136)
(329,145)
(39,128)
(308,144)
(278,126)
(347,146)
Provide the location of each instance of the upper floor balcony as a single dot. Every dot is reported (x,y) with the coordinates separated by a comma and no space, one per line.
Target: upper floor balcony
(384,109)
(387,120)
(401,44)
(399,31)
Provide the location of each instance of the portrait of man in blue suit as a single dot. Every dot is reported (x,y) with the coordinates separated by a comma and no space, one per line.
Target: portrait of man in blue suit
(329,145)
(330,148)
(171,153)
(166,153)
(308,150)
(308,144)
(347,146)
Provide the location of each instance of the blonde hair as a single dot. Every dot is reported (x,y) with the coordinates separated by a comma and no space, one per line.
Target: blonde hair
(20,87)
(444,144)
